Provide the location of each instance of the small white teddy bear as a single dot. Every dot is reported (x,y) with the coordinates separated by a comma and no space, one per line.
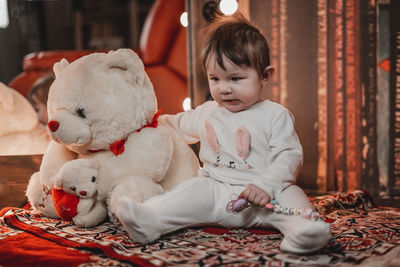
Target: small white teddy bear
(80,178)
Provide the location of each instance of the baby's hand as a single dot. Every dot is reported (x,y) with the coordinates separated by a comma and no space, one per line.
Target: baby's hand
(255,195)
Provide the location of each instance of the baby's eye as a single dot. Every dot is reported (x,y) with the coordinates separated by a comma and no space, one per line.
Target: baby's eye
(236,78)
(80,112)
(214,79)
(73,188)
(93,179)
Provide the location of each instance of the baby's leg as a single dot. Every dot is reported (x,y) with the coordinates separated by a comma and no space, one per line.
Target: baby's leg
(294,197)
(190,203)
(301,235)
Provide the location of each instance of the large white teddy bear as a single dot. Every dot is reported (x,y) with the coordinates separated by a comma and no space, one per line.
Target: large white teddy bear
(102,107)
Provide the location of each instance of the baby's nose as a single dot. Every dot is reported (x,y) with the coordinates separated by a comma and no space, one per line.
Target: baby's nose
(82,193)
(225,89)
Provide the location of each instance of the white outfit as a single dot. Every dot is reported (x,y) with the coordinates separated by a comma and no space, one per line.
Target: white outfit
(271,161)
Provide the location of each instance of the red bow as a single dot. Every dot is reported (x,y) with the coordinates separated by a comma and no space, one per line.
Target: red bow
(118,146)
(154,122)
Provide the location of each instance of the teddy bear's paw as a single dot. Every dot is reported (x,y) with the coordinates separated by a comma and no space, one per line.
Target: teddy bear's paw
(78,221)
(34,190)
(81,221)
(40,198)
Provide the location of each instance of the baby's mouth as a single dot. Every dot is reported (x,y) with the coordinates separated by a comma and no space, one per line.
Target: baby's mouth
(231,101)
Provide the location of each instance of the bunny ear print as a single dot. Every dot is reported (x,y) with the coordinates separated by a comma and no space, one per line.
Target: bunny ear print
(6,98)
(212,137)
(242,142)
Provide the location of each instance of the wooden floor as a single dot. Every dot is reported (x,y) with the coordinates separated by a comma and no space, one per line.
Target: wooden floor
(15,172)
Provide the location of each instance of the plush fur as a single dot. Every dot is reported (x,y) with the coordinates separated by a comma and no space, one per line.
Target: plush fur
(101,102)
(20,131)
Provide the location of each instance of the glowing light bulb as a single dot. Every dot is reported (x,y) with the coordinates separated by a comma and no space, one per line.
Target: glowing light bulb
(228,7)
(184,19)
(186,104)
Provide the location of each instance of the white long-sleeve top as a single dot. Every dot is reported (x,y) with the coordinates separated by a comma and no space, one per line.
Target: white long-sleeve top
(275,153)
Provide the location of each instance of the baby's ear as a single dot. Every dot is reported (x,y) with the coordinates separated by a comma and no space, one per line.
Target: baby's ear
(268,72)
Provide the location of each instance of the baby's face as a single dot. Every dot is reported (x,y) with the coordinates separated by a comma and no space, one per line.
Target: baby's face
(236,88)
(41,110)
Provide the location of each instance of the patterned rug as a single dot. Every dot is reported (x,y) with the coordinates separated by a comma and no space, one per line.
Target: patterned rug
(368,236)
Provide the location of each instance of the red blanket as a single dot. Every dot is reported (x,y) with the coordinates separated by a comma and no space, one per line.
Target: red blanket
(365,233)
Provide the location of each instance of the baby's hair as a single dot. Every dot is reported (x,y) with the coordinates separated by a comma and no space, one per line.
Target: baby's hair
(40,88)
(237,39)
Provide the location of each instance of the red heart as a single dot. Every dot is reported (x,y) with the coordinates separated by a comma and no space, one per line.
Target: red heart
(66,204)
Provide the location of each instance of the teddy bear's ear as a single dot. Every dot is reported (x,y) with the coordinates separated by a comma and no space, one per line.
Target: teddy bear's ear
(59,66)
(59,182)
(129,62)
(94,164)
(6,98)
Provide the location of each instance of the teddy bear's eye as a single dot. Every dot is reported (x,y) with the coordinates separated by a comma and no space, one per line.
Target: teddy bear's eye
(73,188)
(93,179)
(81,112)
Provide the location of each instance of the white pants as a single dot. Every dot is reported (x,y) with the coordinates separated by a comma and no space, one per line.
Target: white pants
(203,200)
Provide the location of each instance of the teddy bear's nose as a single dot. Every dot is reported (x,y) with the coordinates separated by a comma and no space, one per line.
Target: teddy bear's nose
(53,125)
(82,193)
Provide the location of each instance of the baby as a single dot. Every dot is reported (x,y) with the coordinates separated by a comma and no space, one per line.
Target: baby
(38,94)
(249,148)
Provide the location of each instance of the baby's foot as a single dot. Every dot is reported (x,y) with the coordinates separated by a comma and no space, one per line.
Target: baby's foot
(137,220)
(313,237)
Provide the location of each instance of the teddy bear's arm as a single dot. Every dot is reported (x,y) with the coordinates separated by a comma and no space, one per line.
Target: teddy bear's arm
(41,183)
(54,158)
(95,216)
(85,205)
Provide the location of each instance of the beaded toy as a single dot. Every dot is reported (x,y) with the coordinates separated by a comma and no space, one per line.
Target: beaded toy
(237,205)
(240,204)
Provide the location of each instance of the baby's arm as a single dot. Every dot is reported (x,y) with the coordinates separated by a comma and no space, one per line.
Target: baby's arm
(255,195)
(179,124)
(188,124)
(286,156)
